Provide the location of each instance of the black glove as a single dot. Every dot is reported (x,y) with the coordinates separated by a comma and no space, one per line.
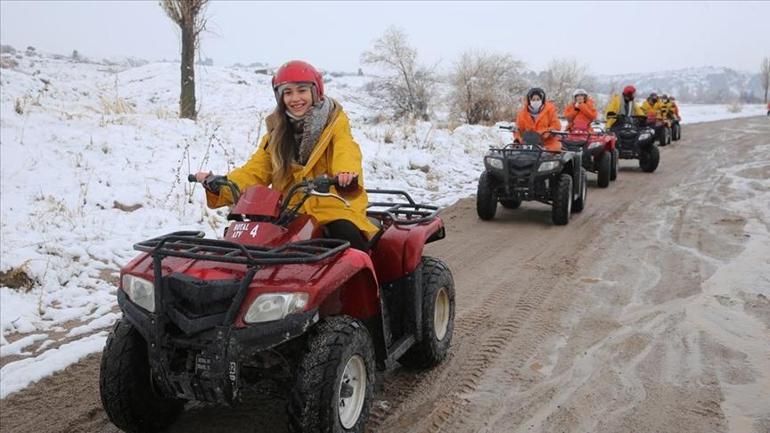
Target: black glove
(214,182)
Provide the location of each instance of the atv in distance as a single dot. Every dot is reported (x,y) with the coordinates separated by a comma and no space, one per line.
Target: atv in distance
(676,127)
(636,140)
(275,300)
(526,171)
(599,153)
(662,128)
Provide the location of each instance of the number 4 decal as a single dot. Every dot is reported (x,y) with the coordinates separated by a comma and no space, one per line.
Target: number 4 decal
(253,232)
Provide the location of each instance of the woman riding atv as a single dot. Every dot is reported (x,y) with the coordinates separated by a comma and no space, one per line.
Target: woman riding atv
(674,108)
(653,106)
(627,108)
(308,135)
(581,112)
(540,116)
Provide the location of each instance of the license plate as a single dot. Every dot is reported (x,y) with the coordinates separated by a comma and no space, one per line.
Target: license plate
(202,364)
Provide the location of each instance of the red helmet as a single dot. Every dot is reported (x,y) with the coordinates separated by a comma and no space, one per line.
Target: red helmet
(629,90)
(297,71)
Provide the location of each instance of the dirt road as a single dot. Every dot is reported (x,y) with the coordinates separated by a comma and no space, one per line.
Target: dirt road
(648,313)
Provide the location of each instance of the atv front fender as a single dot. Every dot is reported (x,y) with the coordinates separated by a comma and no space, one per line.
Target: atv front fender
(399,251)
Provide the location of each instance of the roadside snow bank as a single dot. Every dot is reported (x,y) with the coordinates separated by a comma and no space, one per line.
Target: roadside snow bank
(18,375)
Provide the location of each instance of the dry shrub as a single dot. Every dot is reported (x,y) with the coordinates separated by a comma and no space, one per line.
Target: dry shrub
(735,107)
(485,87)
(16,278)
(116,105)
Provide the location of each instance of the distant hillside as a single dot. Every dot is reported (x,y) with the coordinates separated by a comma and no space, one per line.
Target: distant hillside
(700,85)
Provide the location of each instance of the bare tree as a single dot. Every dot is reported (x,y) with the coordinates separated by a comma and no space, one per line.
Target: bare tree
(189,16)
(407,89)
(765,75)
(485,87)
(563,76)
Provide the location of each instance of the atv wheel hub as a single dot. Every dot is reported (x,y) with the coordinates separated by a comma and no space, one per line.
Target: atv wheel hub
(352,391)
(441,314)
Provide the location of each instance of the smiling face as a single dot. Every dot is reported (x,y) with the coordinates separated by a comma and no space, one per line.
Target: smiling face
(298,98)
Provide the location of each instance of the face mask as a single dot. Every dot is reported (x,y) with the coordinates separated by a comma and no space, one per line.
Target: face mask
(535,104)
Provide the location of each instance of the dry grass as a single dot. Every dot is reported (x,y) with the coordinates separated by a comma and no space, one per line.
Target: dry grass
(116,105)
(735,107)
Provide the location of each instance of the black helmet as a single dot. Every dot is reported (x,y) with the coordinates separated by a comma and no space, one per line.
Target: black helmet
(536,91)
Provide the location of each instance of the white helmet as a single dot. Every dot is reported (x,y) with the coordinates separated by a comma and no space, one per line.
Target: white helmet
(579,92)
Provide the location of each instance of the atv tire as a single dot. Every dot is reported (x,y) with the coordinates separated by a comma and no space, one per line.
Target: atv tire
(649,159)
(486,203)
(125,384)
(615,159)
(676,132)
(438,311)
(562,200)
(513,203)
(334,382)
(604,170)
(580,203)
(664,136)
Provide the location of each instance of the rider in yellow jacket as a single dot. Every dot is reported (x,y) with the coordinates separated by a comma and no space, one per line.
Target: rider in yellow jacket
(652,106)
(627,108)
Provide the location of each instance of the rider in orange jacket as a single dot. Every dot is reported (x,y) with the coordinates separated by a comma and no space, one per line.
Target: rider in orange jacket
(540,116)
(581,112)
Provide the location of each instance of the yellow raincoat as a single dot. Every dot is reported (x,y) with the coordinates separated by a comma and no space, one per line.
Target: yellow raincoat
(658,108)
(335,152)
(615,107)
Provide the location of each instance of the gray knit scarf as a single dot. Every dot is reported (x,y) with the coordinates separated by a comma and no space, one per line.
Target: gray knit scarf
(308,128)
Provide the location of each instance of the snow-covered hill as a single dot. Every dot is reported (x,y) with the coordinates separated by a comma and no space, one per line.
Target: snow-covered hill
(94,159)
(703,85)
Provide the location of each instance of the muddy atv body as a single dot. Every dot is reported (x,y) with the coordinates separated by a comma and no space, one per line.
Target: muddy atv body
(528,172)
(599,154)
(274,300)
(636,140)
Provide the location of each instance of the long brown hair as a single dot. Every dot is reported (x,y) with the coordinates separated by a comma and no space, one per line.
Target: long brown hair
(281,144)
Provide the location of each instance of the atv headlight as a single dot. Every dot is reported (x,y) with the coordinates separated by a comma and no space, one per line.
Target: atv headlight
(275,306)
(644,136)
(548,166)
(140,291)
(495,163)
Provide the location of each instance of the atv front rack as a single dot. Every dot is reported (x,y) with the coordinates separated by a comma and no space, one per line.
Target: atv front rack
(400,213)
(192,245)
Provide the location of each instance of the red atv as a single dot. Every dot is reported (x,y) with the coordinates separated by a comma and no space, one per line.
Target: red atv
(203,318)
(662,127)
(599,153)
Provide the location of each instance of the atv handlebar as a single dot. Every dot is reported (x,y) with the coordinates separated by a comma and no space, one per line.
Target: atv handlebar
(213,183)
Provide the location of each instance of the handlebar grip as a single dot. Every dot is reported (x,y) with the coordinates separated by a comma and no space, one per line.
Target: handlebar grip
(191,178)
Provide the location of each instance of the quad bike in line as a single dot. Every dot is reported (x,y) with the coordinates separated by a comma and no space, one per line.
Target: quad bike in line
(526,171)
(599,153)
(276,300)
(636,140)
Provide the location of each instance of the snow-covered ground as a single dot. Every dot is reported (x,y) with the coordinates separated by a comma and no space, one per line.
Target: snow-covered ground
(93,160)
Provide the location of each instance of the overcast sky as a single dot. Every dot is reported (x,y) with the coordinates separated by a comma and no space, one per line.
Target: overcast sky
(609,37)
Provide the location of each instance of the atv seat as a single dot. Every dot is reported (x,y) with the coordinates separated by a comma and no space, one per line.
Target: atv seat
(381,230)
(574,145)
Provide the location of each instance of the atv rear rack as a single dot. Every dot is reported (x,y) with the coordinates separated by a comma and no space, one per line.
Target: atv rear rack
(400,213)
(192,245)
